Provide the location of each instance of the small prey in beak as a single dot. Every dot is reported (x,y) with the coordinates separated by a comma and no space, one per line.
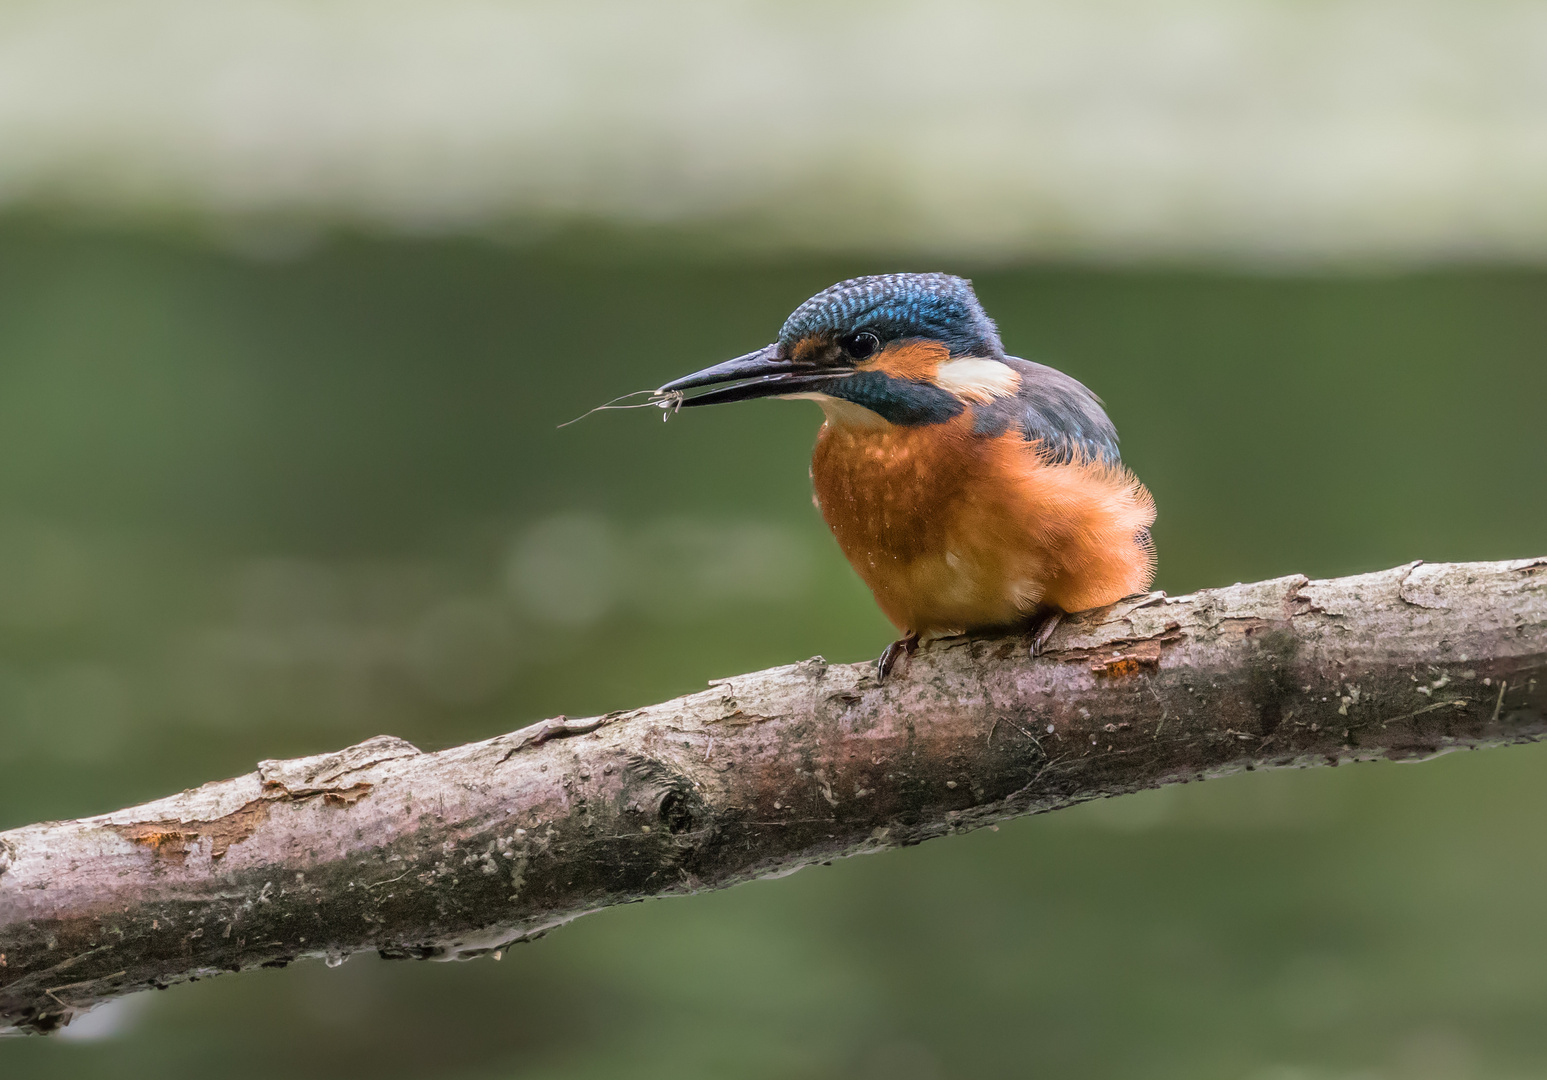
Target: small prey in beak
(655,398)
(765,372)
(761,373)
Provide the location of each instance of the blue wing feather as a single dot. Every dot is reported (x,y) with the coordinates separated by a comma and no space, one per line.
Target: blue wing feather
(1056,412)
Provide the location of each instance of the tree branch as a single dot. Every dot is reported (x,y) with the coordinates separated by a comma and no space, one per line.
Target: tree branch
(459,853)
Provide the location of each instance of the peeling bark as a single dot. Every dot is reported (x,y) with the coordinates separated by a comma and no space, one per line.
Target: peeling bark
(460,853)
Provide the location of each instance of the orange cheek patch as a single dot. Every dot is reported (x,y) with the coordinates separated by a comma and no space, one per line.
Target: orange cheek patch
(916,360)
(806,348)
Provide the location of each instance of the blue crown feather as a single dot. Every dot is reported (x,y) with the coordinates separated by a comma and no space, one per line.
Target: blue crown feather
(939,307)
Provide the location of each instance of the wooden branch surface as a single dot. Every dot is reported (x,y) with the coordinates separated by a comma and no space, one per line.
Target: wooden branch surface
(459,853)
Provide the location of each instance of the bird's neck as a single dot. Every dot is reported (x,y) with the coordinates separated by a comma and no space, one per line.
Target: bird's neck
(843,414)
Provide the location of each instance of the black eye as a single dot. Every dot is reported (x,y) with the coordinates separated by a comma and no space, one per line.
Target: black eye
(861,345)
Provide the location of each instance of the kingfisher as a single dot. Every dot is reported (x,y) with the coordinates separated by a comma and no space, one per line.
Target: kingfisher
(971,490)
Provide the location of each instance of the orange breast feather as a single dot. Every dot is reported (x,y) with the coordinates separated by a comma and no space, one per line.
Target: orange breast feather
(955,533)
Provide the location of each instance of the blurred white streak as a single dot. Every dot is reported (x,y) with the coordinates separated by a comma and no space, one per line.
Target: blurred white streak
(1135,813)
(1249,129)
(685,566)
(902,1060)
(1317,991)
(325,643)
(109,1019)
(79,712)
(1271,801)
(565,569)
(330,643)
(284,592)
(575,570)
(1299,1072)
(464,652)
(46,577)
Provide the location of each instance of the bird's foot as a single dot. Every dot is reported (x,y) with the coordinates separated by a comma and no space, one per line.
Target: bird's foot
(1043,631)
(902,648)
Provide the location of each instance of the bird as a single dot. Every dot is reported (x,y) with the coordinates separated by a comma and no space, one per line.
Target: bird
(971,490)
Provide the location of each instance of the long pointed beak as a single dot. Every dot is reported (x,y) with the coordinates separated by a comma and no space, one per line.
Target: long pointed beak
(764,361)
(761,373)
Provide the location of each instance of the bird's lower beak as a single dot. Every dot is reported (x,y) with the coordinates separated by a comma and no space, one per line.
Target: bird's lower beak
(763,373)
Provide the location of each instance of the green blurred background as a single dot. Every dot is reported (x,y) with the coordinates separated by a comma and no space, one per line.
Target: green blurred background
(280,474)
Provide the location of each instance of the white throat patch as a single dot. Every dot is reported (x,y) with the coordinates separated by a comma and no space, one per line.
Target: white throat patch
(977,379)
(841,412)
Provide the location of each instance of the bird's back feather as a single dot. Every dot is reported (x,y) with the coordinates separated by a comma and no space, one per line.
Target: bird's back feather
(1055,412)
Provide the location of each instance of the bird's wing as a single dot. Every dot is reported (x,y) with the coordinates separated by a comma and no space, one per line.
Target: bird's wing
(1055,412)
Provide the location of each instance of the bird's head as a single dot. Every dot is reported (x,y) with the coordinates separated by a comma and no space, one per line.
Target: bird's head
(904,348)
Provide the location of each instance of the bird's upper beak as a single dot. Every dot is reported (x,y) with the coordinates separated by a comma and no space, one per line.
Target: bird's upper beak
(764,372)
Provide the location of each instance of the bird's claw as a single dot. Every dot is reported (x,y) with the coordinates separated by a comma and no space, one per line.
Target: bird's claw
(1043,631)
(902,648)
